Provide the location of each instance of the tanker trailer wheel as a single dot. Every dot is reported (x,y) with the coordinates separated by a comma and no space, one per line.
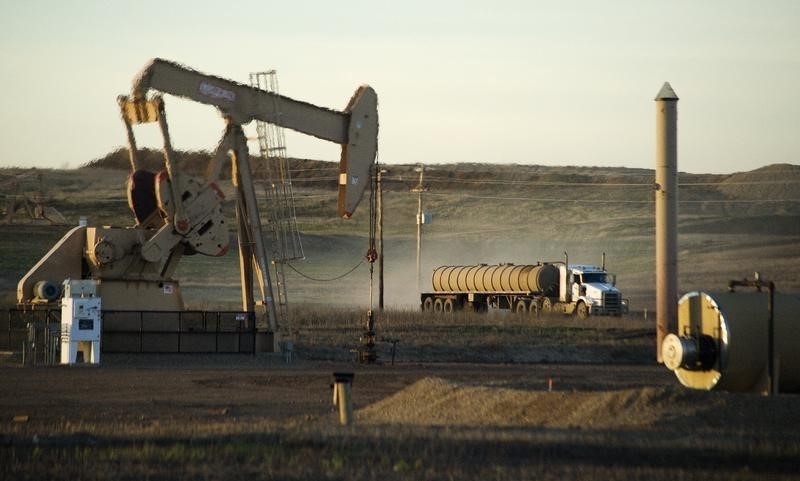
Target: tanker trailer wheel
(521,308)
(582,310)
(534,309)
(427,304)
(438,305)
(447,306)
(547,306)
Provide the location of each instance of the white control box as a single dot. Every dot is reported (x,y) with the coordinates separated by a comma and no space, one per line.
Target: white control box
(80,322)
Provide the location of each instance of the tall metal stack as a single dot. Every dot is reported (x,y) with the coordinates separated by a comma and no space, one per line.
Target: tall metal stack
(273,171)
(666,198)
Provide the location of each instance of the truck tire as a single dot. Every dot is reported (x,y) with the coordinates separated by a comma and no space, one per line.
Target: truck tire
(533,310)
(438,305)
(582,310)
(427,304)
(547,306)
(521,308)
(447,306)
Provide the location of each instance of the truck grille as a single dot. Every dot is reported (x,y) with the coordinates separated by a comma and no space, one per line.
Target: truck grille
(612,304)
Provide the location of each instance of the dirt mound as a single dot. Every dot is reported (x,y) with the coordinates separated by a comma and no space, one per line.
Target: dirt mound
(434,401)
(437,402)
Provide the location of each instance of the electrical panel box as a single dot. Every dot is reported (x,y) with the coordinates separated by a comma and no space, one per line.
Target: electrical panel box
(80,322)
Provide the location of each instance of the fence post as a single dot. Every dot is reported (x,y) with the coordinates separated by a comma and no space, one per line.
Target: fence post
(180,329)
(141,331)
(252,318)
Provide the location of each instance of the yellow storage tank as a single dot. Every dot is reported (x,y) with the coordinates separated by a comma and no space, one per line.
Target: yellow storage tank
(495,278)
(722,342)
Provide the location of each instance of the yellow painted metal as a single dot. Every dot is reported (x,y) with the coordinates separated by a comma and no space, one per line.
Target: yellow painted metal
(516,271)
(495,278)
(61,262)
(469,280)
(128,295)
(139,111)
(737,322)
(483,278)
(127,280)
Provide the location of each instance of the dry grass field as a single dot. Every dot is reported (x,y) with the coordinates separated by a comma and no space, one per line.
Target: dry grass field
(239,417)
(468,395)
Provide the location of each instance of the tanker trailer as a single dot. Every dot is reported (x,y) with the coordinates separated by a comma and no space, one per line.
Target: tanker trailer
(546,287)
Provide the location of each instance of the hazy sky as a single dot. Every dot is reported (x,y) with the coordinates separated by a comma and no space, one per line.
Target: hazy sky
(531,82)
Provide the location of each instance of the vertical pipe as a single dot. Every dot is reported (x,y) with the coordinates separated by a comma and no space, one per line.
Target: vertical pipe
(345,403)
(773,382)
(342,397)
(380,240)
(666,199)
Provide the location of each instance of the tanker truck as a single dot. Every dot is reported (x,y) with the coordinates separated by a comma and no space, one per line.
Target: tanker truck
(549,287)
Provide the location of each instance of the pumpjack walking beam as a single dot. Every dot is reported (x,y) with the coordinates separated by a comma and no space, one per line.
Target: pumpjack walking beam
(355,128)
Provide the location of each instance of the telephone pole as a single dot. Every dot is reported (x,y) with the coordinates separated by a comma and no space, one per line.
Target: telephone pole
(419,189)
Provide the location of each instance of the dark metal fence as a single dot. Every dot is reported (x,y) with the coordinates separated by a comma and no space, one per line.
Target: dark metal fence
(141,331)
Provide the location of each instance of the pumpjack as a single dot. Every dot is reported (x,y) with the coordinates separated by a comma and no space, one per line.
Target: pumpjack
(177,214)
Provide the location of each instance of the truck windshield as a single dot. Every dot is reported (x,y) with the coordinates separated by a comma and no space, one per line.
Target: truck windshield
(594,277)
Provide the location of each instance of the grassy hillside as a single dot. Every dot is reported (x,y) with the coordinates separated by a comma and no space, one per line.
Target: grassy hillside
(730,225)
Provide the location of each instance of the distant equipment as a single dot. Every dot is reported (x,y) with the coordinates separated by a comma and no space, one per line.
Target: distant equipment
(556,287)
(32,204)
(80,322)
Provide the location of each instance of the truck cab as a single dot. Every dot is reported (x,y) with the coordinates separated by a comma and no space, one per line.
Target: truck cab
(590,290)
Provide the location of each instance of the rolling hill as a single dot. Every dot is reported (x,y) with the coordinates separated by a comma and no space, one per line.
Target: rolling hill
(730,225)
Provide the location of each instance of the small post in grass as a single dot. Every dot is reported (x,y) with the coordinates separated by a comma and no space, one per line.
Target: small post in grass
(342,383)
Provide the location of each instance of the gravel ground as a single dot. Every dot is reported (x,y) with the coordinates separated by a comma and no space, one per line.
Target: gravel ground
(239,416)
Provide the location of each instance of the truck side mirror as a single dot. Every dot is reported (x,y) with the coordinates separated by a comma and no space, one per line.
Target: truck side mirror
(613,280)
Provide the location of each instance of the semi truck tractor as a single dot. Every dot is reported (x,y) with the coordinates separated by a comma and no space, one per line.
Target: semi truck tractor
(545,287)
